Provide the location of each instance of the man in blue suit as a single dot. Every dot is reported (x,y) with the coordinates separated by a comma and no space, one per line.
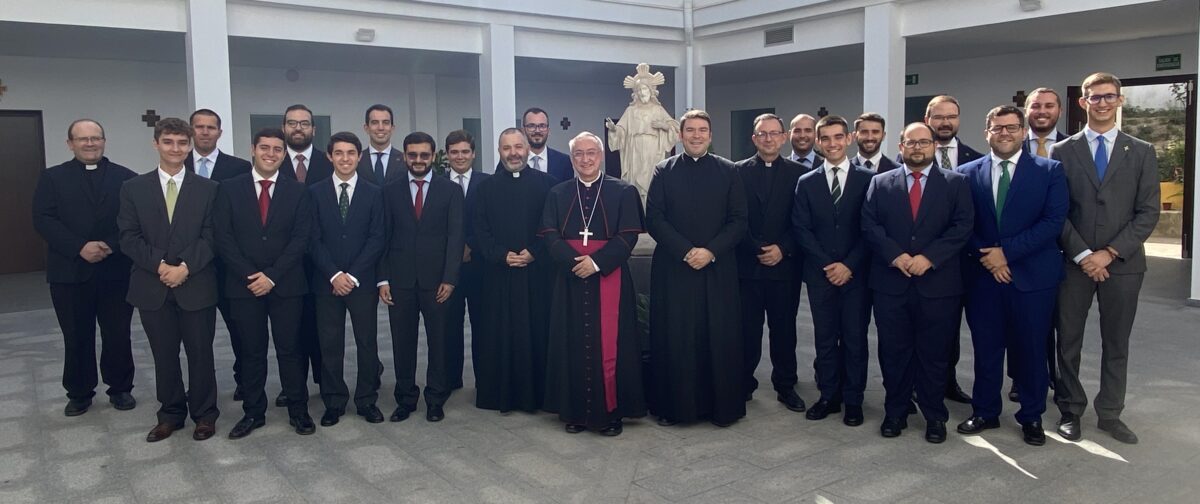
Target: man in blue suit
(346,244)
(916,220)
(460,150)
(536,124)
(1014,267)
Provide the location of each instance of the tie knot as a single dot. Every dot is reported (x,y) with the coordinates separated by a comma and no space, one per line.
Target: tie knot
(1005,164)
(917,175)
(420,183)
(171,182)
(834,169)
(344,185)
(266,184)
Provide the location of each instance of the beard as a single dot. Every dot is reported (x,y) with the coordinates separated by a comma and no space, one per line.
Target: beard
(299,145)
(916,164)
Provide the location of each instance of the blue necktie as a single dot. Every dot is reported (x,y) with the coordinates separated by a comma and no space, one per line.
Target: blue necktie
(379,167)
(1101,157)
(203,171)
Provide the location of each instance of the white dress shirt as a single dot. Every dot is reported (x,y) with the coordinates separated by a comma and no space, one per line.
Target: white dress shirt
(258,187)
(412,187)
(841,173)
(873,159)
(386,156)
(163,178)
(337,187)
(307,157)
(212,161)
(952,153)
(1033,141)
(465,181)
(997,171)
(543,160)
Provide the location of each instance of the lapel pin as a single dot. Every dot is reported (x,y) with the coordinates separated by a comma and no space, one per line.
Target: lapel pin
(1126,148)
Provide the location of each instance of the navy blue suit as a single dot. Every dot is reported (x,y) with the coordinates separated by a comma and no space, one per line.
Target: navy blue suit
(917,317)
(829,232)
(1015,316)
(353,246)
(559,166)
(470,274)
(885,165)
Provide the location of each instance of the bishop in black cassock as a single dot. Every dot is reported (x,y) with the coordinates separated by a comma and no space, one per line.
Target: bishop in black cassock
(593,376)
(510,373)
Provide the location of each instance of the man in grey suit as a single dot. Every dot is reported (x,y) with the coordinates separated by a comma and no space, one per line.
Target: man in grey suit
(1113,181)
(380,163)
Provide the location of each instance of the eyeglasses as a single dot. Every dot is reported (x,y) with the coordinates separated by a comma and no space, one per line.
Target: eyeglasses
(1109,98)
(537,127)
(418,155)
(953,117)
(88,140)
(1000,128)
(922,143)
(763,135)
(301,124)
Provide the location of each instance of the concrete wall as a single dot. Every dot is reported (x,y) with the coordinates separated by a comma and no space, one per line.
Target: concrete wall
(586,105)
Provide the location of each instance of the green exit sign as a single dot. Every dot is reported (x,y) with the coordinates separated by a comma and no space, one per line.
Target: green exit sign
(1167,62)
(913,79)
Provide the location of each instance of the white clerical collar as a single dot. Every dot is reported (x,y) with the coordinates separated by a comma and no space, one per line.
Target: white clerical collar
(90,167)
(589,183)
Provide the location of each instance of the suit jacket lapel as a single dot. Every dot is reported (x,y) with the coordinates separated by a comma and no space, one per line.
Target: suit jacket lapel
(1116,158)
(982,180)
(1079,145)
(933,188)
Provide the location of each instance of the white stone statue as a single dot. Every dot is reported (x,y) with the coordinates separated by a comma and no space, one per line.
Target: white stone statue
(645,132)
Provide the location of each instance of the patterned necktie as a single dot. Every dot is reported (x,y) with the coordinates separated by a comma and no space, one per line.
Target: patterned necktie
(379,167)
(462,182)
(172,197)
(537,163)
(1041,150)
(301,170)
(264,200)
(914,194)
(836,187)
(1101,157)
(420,201)
(946,158)
(344,201)
(1002,189)
(203,170)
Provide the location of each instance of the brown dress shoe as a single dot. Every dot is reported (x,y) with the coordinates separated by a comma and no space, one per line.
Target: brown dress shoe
(204,430)
(162,431)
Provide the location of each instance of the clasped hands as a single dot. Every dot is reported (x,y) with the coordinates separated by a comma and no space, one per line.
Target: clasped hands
(912,266)
(95,251)
(996,263)
(172,276)
(519,260)
(698,258)
(1095,265)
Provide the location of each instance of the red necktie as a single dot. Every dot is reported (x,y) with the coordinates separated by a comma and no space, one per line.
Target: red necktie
(420,201)
(264,200)
(301,171)
(914,194)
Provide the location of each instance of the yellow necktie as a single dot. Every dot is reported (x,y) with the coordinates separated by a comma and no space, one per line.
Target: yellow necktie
(1041,151)
(172,195)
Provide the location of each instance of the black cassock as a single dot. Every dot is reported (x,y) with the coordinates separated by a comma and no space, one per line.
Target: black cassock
(695,333)
(594,374)
(510,372)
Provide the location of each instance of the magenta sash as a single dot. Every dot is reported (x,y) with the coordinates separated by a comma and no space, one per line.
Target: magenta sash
(610,303)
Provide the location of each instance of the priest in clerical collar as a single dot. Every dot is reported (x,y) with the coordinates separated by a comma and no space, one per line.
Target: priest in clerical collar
(590,225)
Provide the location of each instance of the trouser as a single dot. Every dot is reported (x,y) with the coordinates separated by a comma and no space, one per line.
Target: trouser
(769,301)
(840,322)
(914,344)
(166,329)
(1002,319)
(79,308)
(251,315)
(331,330)
(409,305)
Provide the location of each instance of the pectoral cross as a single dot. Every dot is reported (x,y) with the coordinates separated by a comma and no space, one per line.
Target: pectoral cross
(585,234)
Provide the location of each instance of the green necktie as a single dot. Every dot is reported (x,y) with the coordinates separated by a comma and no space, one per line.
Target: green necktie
(945,158)
(344,201)
(172,195)
(1002,189)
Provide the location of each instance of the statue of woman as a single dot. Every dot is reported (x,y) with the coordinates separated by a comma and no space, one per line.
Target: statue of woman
(645,132)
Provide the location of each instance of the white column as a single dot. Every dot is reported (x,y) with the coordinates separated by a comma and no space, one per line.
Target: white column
(207,44)
(681,89)
(883,68)
(422,104)
(497,90)
(1194,297)
(696,72)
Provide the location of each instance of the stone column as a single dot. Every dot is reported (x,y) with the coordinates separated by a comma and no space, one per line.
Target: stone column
(497,90)
(207,46)
(422,105)
(883,69)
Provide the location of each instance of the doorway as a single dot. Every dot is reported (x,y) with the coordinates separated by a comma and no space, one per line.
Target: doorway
(1162,111)
(22,159)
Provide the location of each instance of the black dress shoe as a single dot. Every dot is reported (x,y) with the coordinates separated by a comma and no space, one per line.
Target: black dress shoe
(237,394)
(1118,430)
(935,431)
(791,400)
(666,422)
(1013,394)
(892,427)
(721,424)
(371,414)
(575,428)
(303,424)
(1069,428)
(76,407)
(975,425)
(331,417)
(281,400)
(853,416)
(613,429)
(245,426)
(956,394)
(434,413)
(822,409)
(162,431)
(123,401)
(1033,433)
(400,415)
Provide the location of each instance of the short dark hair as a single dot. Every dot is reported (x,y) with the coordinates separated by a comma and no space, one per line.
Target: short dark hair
(343,137)
(769,117)
(1033,94)
(1004,110)
(378,106)
(172,126)
(458,136)
(298,106)
(269,133)
(832,120)
(419,137)
(533,110)
(207,112)
(870,116)
(71,135)
(695,114)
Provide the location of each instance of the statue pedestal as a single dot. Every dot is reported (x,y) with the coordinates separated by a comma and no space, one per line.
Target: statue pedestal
(639,263)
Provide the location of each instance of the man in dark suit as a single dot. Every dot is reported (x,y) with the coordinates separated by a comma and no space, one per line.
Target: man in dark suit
(380,163)
(75,210)
(942,114)
(309,166)
(418,273)
(827,225)
(1113,179)
(167,231)
(347,241)
(869,134)
(217,166)
(1013,269)
(767,258)
(262,225)
(460,150)
(536,124)
(804,137)
(1042,110)
(916,220)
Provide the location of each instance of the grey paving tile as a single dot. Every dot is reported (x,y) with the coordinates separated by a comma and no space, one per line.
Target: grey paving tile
(699,477)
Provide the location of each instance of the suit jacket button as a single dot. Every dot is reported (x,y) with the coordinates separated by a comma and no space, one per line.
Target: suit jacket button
(343,237)
(264,238)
